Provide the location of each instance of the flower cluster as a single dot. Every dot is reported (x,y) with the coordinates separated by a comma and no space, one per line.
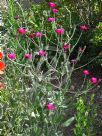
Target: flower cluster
(12,56)
(38,35)
(93,80)
(41,61)
(52,5)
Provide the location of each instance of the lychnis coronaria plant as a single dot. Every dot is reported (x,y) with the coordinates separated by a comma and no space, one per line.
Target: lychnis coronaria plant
(39,65)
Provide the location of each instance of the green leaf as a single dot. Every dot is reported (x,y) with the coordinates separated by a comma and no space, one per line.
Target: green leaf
(49,88)
(83,134)
(68,122)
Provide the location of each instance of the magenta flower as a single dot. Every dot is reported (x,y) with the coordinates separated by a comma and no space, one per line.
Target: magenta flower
(16,17)
(41,53)
(66,47)
(51,19)
(93,80)
(51,4)
(27,56)
(37,34)
(59,31)
(31,35)
(50,106)
(54,11)
(84,27)
(11,56)
(21,30)
(86,72)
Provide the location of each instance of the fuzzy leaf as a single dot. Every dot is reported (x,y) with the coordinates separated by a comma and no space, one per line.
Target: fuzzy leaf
(68,122)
